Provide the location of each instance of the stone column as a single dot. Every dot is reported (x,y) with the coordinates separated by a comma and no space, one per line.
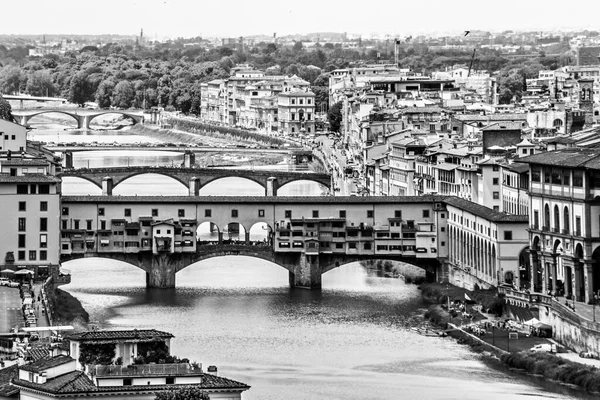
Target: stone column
(247,238)
(162,270)
(576,282)
(68,161)
(189,159)
(194,186)
(588,278)
(107,186)
(554,265)
(271,189)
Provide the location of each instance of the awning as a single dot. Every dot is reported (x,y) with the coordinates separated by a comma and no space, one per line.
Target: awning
(24,272)
(42,266)
(104,241)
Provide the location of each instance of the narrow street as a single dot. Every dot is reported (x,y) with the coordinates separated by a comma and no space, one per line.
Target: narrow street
(337,159)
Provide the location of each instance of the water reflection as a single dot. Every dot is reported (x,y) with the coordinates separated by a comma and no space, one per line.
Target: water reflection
(348,341)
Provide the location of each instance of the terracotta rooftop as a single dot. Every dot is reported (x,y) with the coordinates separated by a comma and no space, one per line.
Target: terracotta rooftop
(28,178)
(6,375)
(571,157)
(46,363)
(485,212)
(78,382)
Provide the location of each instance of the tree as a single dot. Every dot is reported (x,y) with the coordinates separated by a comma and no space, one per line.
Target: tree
(104,93)
(183,393)
(334,116)
(123,95)
(11,79)
(40,84)
(80,89)
(5,110)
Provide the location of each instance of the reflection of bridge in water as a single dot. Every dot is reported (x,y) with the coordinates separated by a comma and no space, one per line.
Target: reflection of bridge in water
(81,116)
(194,178)
(308,236)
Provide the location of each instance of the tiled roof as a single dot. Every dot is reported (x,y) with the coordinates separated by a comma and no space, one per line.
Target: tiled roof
(517,167)
(28,178)
(422,110)
(72,382)
(6,375)
(116,335)
(37,353)
(78,382)
(26,162)
(46,363)
(491,117)
(572,157)
(485,212)
(238,200)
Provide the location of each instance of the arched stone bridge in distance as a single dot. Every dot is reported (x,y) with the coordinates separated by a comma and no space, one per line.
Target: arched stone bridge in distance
(82,117)
(194,178)
(159,266)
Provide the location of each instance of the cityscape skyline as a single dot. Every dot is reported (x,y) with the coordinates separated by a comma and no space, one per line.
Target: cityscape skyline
(182,18)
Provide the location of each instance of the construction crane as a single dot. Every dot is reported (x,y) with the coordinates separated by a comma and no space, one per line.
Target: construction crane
(471,64)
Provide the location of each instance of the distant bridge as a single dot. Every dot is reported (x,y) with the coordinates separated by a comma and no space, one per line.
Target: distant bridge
(194,178)
(23,98)
(82,117)
(298,156)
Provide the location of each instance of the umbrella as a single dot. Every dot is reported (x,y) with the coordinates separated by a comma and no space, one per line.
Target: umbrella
(7,271)
(23,272)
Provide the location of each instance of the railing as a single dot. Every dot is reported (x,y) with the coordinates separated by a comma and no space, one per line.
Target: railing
(562,310)
(565,231)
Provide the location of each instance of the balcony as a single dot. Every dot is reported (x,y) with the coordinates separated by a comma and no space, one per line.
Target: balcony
(535,227)
(555,230)
(546,228)
(565,231)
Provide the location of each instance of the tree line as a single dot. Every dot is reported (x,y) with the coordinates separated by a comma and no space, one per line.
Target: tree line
(169,74)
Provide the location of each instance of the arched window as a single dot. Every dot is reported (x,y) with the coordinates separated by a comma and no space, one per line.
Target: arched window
(557,123)
(566,224)
(547,217)
(556,219)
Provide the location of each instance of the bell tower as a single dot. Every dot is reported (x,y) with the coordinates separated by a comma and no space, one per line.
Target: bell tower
(586,100)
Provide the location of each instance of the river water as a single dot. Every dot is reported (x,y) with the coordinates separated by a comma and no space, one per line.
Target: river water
(348,341)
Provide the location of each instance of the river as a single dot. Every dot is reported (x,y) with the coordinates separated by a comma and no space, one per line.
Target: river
(348,341)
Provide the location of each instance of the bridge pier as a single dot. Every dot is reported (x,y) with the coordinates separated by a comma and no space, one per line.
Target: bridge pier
(68,160)
(194,186)
(271,189)
(305,269)
(163,269)
(107,186)
(189,159)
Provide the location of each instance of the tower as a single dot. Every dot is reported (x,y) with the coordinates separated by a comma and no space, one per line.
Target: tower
(141,36)
(586,100)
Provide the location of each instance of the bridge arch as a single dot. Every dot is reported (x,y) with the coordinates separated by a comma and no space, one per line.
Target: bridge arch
(207,232)
(304,179)
(135,118)
(428,265)
(27,117)
(125,178)
(218,251)
(130,259)
(263,184)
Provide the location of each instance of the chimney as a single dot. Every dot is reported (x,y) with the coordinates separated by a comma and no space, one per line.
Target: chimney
(212,369)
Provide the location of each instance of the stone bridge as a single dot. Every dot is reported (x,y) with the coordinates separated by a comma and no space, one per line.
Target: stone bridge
(194,178)
(304,270)
(82,117)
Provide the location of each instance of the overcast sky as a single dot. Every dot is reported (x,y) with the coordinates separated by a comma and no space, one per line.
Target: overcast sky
(188,18)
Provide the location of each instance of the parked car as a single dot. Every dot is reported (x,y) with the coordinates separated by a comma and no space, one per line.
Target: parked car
(587,354)
(4,281)
(541,348)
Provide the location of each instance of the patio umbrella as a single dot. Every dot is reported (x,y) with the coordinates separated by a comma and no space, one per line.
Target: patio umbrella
(24,272)
(7,272)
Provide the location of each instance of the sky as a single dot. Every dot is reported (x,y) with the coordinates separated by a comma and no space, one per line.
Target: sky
(233,18)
